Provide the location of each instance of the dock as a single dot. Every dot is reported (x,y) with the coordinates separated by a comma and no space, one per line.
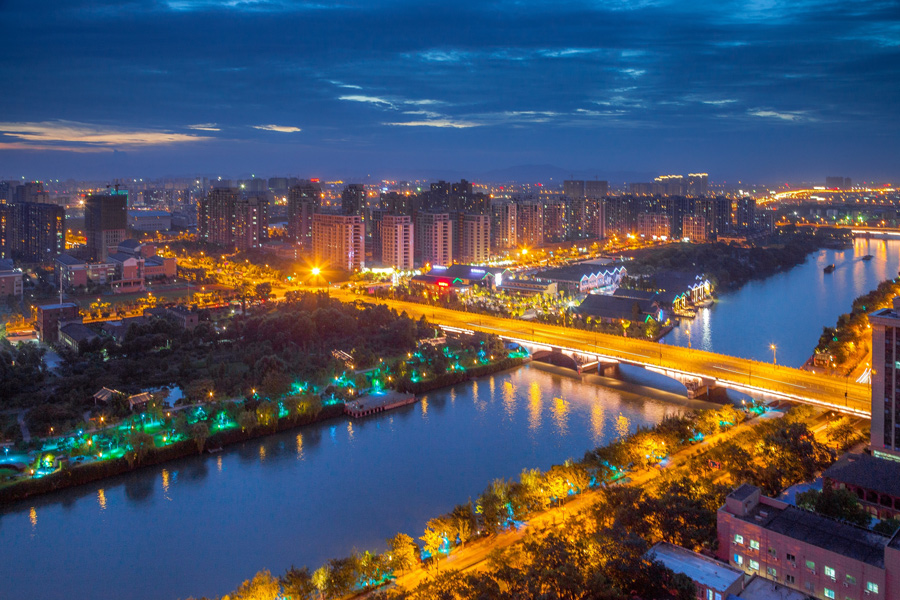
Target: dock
(377,402)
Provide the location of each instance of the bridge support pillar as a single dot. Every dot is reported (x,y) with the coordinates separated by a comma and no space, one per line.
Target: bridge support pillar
(706,389)
(608,369)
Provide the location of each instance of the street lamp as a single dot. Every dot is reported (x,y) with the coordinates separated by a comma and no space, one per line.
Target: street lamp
(774,349)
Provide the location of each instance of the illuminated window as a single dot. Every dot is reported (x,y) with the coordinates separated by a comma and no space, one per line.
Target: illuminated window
(754,544)
(754,566)
(829,572)
(851,580)
(811,565)
(829,593)
(871,587)
(739,539)
(771,572)
(738,559)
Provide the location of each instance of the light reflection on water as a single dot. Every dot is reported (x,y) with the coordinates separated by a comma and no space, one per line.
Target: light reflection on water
(305,496)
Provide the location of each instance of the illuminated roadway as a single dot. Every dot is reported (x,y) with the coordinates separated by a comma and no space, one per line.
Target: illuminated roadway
(842,393)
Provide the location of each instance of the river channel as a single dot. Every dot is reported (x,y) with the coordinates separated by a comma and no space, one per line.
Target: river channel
(789,309)
(201,525)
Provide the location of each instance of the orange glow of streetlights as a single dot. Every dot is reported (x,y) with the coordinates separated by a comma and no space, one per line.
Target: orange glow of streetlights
(316,271)
(774,349)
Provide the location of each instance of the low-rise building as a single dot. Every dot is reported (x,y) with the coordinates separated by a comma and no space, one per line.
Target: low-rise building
(875,481)
(76,335)
(10,280)
(528,287)
(615,309)
(586,277)
(48,317)
(714,580)
(819,556)
(185,317)
(461,276)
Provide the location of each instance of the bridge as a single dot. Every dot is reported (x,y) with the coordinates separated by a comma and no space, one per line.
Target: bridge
(690,366)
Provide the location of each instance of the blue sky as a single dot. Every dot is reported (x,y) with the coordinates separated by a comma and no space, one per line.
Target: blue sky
(761,90)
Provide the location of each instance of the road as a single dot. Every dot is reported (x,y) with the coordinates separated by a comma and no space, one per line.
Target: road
(839,393)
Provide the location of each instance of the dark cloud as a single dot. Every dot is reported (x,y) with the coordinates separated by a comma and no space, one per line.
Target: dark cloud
(756,89)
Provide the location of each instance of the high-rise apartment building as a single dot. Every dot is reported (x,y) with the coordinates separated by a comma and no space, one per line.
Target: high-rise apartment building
(744,213)
(227,219)
(654,225)
(885,428)
(339,241)
(397,242)
(503,225)
(596,189)
(697,185)
(31,191)
(304,200)
(530,224)
(433,239)
(694,228)
(475,242)
(555,223)
(595,219)
(668,185)
(32,232)
(105,222)
(353,199)
(573,188)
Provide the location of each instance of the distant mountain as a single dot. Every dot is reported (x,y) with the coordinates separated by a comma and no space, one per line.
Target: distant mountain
(546,174)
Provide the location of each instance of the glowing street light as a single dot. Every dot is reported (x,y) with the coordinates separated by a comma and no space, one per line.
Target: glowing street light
(316,271)
(774,348)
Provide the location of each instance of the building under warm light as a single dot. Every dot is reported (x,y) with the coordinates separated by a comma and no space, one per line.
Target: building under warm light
(397,242)
(338,241)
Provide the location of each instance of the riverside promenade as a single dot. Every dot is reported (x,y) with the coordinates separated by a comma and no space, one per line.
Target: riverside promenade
(376,402)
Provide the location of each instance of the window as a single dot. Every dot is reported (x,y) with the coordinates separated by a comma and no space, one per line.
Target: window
(829,572)
(754,566)
(851,580)
(829,593)
(738,559)
(773,552)
(810,565)
(754,544)
(790,557)
(709,594)
(738,538)
(771,572)
(789,578)
(871,587)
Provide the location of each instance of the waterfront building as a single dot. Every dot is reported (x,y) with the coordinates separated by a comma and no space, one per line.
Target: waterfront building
(821,557)
(338,241)
(586,277)
(885,427)
(433,239)
(397,248)
(105,222)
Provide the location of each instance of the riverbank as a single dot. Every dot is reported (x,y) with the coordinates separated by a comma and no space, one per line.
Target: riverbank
(101,469)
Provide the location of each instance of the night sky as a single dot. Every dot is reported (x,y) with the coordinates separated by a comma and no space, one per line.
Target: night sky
(767,90)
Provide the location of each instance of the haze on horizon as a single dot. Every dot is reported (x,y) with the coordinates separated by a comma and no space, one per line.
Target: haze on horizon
(763,90)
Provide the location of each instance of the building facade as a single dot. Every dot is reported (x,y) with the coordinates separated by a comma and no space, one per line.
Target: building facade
(339,241)
(227,219)
(105,222)
(503,225)
(32,232)
(397,246)
(475,239)
(433,239)
(885,428)
(653,225)
(303,202)
(530,224)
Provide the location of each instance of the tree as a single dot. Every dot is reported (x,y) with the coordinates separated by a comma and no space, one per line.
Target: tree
(842,433)
(247,420)
(887,527)
(200,433)
(835,503)
(297,584)
(263,586)
(263,290)
(140,444)
(403,552)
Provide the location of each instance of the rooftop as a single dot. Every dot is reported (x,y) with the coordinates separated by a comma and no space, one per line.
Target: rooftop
(69,260)
(866,471)
(841,538)
(760,588)
(743,492)
(614,307)
(706,571)
(129,243)
(577,272)
(78,332)
(637,294)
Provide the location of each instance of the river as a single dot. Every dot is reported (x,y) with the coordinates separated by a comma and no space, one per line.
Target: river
(201,525)
(789,309)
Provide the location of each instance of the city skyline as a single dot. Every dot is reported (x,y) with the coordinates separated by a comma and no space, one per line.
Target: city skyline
(769,91)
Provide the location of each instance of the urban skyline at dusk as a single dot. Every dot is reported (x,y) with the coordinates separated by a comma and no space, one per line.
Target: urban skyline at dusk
(773,91)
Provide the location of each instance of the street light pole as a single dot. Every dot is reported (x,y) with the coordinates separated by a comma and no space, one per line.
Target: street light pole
(774,349)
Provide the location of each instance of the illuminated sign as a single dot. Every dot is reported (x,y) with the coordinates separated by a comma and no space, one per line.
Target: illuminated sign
(443,284)
(478,270)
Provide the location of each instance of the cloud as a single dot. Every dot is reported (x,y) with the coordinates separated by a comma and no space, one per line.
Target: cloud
(278,128)
(367,99)
(63,134)
(205,127)
(441,123)
(791,116)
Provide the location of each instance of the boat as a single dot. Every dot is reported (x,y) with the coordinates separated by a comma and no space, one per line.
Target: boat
(829,268)
(868,257)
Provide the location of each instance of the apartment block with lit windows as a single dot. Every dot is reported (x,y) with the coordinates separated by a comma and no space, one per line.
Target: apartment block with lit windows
(816,555)
(339,241)
(885,432)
